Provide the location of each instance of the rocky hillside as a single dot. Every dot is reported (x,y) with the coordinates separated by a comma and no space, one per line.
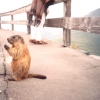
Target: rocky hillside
(95,13)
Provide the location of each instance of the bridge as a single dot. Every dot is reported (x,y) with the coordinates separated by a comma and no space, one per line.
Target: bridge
(71,74)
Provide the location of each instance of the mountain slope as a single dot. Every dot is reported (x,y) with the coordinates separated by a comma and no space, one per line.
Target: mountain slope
(95,13)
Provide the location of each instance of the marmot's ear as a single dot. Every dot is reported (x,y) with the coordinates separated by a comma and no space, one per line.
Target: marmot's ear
(22,40)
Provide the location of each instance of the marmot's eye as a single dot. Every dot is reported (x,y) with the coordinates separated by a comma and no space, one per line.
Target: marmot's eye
(13,37)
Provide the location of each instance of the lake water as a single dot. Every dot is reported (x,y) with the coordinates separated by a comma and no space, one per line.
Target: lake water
(83,40)
(86,41)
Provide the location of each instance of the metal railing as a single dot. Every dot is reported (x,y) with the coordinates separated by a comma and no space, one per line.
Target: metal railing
(89,24)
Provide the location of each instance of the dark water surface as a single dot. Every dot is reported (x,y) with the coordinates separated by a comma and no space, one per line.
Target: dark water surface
(87,41)
(83,40)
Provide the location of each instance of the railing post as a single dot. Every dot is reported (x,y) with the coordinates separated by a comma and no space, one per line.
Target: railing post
(28,26)
(12,25)
(0,23)
(67,32)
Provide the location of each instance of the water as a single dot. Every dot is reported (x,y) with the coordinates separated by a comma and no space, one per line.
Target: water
(87,41)
(84,40)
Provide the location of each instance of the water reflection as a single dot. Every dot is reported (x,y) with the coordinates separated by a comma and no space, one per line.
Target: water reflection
(84,40)
(87,41)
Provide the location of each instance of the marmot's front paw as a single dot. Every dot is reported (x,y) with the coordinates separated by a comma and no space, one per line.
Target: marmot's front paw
(6,47)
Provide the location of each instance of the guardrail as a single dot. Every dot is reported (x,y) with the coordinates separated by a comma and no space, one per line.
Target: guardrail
(89,24)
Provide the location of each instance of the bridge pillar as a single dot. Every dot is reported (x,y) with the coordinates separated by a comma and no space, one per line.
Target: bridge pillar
(67,32)
(12,25)
(28,26)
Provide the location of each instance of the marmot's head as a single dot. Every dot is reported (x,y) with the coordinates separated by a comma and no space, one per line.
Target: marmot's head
(15,39)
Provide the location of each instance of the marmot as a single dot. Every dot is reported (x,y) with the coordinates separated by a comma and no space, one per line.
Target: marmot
(20,59)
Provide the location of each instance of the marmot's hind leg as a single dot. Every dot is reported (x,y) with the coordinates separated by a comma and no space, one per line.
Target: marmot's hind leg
(11,79)
(25,76)
(15,79)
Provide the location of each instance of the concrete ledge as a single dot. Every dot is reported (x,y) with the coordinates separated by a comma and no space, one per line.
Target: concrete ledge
(3,87)
(95,57)
(3,83)
(85,52)
(1,63)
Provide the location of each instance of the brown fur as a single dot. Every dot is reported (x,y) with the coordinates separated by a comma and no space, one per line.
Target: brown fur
(21,59)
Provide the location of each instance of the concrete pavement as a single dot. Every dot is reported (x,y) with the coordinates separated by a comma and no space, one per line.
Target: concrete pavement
(3,82)
(71,75)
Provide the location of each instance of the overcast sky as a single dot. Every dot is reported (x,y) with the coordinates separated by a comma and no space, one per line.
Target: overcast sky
(8,5)
(83,7)
(79,7)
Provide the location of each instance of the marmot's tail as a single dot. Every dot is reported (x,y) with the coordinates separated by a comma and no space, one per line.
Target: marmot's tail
(36,76)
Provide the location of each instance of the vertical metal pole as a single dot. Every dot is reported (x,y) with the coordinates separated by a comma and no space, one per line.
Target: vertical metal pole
(67,32)
(28,26)
(12,25)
